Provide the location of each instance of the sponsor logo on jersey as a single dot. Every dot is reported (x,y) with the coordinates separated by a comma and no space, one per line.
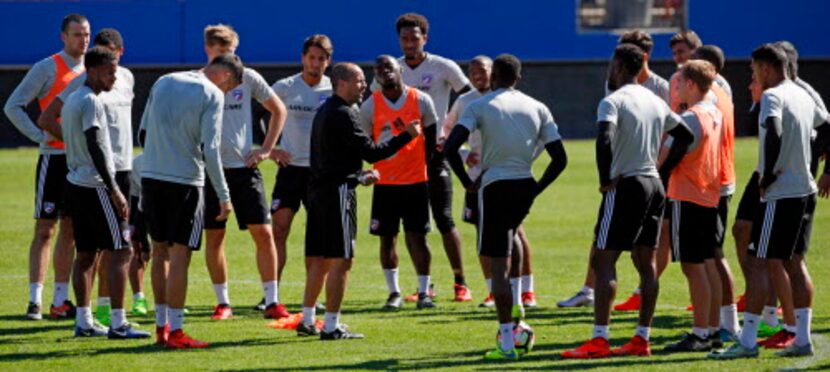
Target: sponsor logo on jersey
(237,94)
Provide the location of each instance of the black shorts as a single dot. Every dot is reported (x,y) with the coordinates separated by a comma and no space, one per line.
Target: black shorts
(693,232)
(95,221)
(174,212)
(50,186)
(440,196)
(332,222)
(291,188)
(723,216)
(503,205)
(138,226)
(247,196)
(392,204)
(630,214)
(748,206)
(782,227)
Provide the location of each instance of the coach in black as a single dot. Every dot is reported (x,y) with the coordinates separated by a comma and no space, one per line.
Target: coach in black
(338,148)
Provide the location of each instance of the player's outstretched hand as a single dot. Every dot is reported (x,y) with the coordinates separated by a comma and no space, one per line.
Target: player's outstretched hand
(281,157)
(824,186)
(414,128)
(120,202)
(225,209)
(255,157)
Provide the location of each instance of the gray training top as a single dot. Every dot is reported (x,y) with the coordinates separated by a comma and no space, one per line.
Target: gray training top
(237,127)
(84,110)
(302,102)
(183,121)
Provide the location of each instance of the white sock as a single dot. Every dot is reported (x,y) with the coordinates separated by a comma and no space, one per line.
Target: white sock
(103,301)
(332,322)
(701,332)
(803,320)
(309,313)
(176,319)
(161,315)
(771,316)
(138,295)
(61,294)
(527,283)
(489,283)
(506,332)
(516,289)
(272,292)
(749,335)
(117,318)
(644,332)
(423,283)
(35,293)
(83,317)
(729,318)
(791,328)
(600,331)
(636,291)
(392,280)
(221,291)
(587,290)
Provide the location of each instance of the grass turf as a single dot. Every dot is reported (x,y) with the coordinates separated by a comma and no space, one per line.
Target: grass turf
(453,336)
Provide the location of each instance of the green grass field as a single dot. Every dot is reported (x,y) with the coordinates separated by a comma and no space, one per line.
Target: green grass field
(452,337)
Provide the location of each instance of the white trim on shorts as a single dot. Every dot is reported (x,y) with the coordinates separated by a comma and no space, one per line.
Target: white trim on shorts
(605,222)
(198,221)
(112,221)
(675,228)
(41,183)
(766,230)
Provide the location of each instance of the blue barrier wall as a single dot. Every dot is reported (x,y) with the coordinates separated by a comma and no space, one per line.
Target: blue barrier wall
(169,31)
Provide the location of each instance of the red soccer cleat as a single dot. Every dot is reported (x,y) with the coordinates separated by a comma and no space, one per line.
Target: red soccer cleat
(162,334)
(690,307)
(596,347)
(741,303)
(631,304)
(462,293)
(414,297)
(638,346)
(179,340)
(276,311)
(222,312)
(529,299)
(780,340)
(65,311)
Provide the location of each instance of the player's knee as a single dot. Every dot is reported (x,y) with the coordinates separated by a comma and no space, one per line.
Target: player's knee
(741,229)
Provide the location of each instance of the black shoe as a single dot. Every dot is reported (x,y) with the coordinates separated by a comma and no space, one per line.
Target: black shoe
(305,330)
(33,311)
(393,302)
(424,301)
(690,342)
(260,306)
(715,340)
(341,333)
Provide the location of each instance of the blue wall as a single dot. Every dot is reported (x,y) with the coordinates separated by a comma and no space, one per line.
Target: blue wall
(169,31)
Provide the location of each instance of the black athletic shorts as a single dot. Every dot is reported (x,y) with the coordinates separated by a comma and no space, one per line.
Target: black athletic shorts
(291,188)
(50,186)
(503,205)
(174,212)
(723,216)
(693,232)
(440,196)
(630,214)
(782,227)
(392,204)
(138,226)
(247,196)
(748,206)
(95,220)
(332,222)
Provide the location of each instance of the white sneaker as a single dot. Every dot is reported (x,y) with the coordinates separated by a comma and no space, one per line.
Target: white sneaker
(581,298)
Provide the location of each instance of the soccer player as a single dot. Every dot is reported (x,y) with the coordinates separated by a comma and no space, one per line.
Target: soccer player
(338,148)
(140,242)
(302,93)
(43,82)
(98,208)
(240,161)
(694,192)
(181,126)
(631,122)
(511,124)
(437,77)
(401,194)
(780,231)
(682,44)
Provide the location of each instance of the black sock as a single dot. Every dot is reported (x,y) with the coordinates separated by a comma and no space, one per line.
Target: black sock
(459,279)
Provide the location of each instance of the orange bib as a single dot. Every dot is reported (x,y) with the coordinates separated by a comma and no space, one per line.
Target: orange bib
(63,76)
(697,178)
(727,158)
(408,165)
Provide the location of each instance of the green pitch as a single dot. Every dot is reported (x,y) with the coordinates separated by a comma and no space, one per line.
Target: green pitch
(453,336)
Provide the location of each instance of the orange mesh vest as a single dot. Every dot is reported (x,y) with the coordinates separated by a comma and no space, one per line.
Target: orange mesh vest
(697,178)
(727,154)
(63,76)
(674,99)
(408,165)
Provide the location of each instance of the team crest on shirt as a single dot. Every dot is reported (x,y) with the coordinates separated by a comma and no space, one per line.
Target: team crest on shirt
(323,98)
(49,207)
(237,94)
(426,79)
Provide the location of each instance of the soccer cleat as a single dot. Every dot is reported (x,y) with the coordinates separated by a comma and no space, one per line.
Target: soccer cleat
(414,297)
(631,304)
(690,307)
(319,307)
(96,330)
(689,343)
(393,302)
(139,306)
(764,330)
(718,338)
(276,311)
(796,351)
(64,311)
(529,299)
(222,312)
(734,352)
(162,334)
(304,330)
(126,331)
(179,340)
(596,347)
(33,311)
(340,333)
(102,314)
(261,305)
(425,302)
(780,340)
(499,354)
(638,346)
(462,293)
(581,298)
(518,313)
(490,301)
(740,303)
